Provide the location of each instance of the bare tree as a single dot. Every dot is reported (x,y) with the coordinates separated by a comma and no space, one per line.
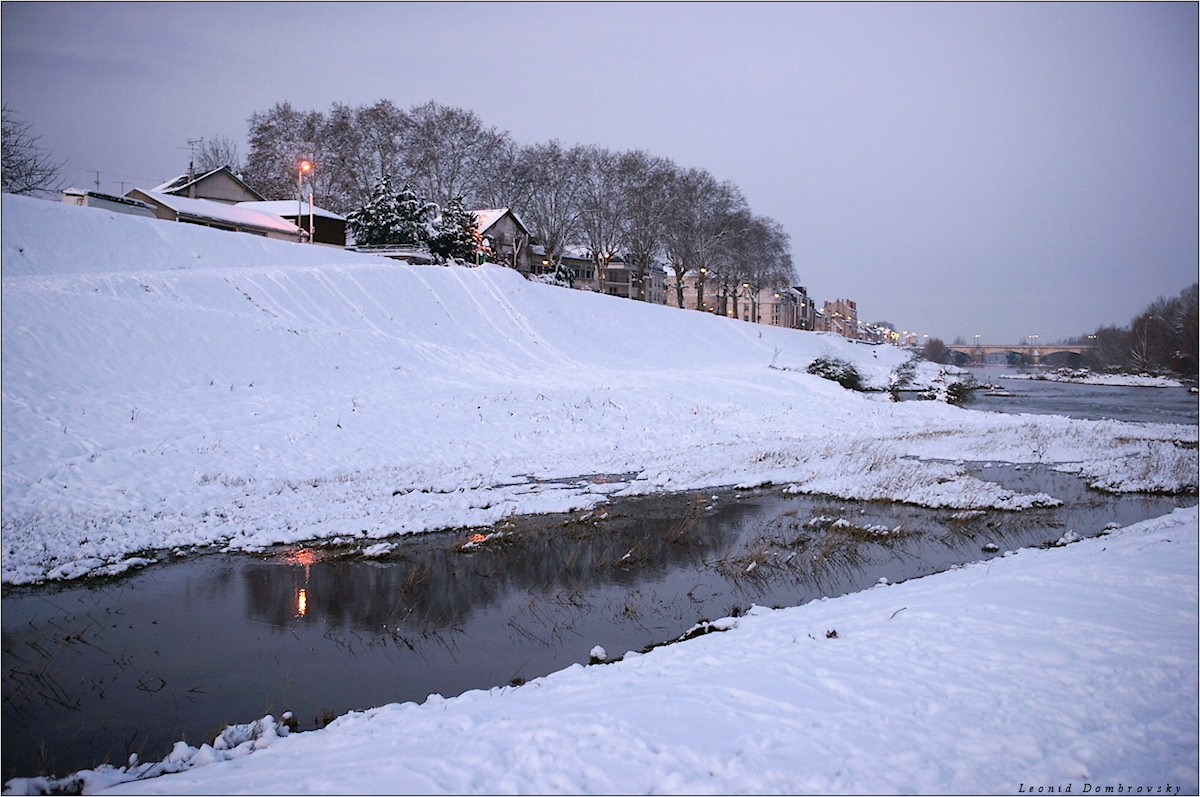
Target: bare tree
(364,144)
(25,168)
(645,181)
(1161,337)
(702,216)
(763,254)
(213,153)
(446,151)
(505,180)
(279,138)
(602,214)
(553,208)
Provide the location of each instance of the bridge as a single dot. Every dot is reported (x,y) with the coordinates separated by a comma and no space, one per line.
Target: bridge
(1034,354)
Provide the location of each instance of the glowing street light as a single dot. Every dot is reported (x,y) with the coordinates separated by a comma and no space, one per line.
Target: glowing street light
(303,167)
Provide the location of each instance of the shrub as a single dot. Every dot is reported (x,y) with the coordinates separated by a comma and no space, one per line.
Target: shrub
(838,371)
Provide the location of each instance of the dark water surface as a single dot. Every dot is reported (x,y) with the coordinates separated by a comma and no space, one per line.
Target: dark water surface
(94,671)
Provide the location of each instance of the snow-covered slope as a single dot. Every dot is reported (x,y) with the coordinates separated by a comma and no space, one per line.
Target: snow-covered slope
(167,386)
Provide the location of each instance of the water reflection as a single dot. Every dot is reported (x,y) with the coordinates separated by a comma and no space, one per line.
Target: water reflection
(440,581)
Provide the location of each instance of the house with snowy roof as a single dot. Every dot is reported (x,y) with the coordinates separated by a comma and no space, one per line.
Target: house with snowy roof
(506,238)
(218,185)
(97,199)
(327,227)
(219,215)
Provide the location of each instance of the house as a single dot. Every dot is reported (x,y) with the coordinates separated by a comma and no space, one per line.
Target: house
(506,239)
(117,204)
(841,316)
(577,262)
(621,279)
(620,275)
(219,215)
(700,292)
(218,185)
(327,227)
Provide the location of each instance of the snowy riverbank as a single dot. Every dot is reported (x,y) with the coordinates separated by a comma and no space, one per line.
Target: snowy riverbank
(1071,668)
(1084,376)
(167,386)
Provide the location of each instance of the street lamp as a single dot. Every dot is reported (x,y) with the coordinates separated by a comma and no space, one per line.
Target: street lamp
(303,167)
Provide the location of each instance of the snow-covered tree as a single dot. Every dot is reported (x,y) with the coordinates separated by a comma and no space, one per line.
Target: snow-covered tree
(391,218)
(455,233)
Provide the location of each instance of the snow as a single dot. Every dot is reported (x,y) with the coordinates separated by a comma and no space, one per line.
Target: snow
(287,207)
(221,212)
(167,386)
(1084,376)
(1066,668)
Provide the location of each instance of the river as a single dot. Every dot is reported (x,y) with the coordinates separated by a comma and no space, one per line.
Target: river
(94,671)
(1044,397)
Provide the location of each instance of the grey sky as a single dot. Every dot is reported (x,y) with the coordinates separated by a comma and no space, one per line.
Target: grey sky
(957,169)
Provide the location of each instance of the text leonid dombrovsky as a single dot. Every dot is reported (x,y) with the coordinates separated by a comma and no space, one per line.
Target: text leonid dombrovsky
(1099,788)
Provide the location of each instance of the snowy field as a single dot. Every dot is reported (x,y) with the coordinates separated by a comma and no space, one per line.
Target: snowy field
(167,387)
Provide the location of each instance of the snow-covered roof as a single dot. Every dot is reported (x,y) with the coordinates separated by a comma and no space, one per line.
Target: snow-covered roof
(221,212)
(183,181)
(486,218)
(123,200)
(287,207)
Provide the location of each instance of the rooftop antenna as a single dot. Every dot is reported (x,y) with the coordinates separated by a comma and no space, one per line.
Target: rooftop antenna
(192,143)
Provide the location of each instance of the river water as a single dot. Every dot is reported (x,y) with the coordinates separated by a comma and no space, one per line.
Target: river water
(1043,397)
(95,671)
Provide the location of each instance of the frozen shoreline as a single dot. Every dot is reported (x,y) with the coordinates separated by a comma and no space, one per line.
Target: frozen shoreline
(1086,377)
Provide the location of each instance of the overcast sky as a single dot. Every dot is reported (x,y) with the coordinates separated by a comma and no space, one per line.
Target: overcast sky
(1002,169)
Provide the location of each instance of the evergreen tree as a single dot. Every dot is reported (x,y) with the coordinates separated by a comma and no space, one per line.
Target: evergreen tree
(455,236)
(391,219)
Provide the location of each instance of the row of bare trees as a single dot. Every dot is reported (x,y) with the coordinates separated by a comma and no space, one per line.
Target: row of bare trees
(638,205)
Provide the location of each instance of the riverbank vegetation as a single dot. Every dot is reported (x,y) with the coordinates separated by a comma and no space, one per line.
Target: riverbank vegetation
(1161,338)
